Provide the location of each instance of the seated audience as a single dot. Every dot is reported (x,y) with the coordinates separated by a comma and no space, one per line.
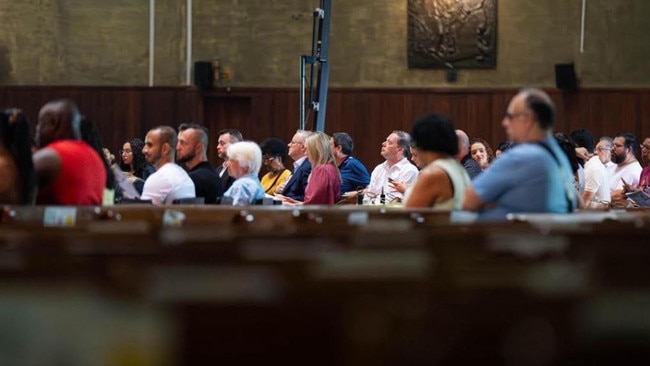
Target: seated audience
(324,186)
(226,137)
(442,181)
(244,160)
(170,181)
(397,168)
(535,175)
(274,153)
(464,157)
(628,170)
(192,152)
(481,151)
(18,182)
(354,175)
(294,188)
(68,170)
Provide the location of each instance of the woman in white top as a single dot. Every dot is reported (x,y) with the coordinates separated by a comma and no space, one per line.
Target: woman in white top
(442,182)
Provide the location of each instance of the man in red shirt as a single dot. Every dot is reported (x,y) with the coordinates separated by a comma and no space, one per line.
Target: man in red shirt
(69,171)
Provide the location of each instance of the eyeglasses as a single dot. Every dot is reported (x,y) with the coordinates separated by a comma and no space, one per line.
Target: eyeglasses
(603,149)
(295,142)
(644,147)
(616,146)
(122,152)
(512,116)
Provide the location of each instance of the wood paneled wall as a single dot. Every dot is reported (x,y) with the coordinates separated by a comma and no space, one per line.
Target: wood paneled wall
(368,115)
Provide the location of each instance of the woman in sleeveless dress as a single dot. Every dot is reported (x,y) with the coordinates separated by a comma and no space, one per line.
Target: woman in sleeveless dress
(442,181)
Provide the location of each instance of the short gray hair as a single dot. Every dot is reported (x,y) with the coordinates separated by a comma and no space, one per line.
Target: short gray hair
(248,154)
(404,141)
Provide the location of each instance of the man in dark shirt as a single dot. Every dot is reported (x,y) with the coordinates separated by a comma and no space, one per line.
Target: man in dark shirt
(464,157)
(227,137)
(191,152)
(354,174)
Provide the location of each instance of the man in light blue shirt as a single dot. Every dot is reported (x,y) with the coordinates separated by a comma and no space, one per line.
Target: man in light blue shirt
(535,175)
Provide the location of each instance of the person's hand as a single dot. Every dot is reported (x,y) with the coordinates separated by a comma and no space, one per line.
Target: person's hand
(628,187)
(398,186)
(280,188)
(618,195)
(350,194)
(287,200)
(583,154)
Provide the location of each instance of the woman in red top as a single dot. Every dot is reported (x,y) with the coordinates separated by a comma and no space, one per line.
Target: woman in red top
(324,185)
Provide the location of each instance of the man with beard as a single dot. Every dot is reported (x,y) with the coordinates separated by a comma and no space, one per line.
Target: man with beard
(192,152)
(628,169)
(170,181)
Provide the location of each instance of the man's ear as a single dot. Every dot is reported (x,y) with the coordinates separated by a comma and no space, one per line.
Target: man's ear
(165,148)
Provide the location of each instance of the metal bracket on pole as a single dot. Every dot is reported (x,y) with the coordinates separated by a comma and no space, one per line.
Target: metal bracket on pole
(319,68)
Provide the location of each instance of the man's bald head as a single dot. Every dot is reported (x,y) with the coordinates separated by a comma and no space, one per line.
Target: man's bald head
(58,120)
(463,143)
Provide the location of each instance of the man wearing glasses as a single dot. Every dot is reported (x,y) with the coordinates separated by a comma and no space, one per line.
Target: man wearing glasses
(628,170)
(535,175)
(596,186)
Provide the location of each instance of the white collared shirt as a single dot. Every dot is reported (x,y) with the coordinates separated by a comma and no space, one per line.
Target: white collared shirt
(298,163)
(403,171)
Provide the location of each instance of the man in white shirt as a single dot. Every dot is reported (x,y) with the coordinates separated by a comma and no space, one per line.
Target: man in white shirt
(397,168)
(604,152)
(628,169)
(596,189)
(170,181)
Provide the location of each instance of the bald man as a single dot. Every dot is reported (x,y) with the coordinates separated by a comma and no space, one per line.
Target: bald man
(68,171)
(464,157)
(170,181)
(535,175)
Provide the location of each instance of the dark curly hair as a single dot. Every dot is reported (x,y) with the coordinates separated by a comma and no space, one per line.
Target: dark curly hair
(436,133)
(274,147)
(139,163)
(91,136)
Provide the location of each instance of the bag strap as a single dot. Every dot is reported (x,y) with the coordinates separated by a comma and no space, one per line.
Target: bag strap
(275,181)
(569,202)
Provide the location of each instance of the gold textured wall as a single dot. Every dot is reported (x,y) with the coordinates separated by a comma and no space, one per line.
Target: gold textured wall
(98,42)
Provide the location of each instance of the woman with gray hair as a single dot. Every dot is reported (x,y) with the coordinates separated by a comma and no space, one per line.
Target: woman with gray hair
(244,162)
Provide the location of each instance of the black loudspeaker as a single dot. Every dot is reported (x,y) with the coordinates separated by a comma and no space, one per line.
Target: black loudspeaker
(203,77)
(565,77)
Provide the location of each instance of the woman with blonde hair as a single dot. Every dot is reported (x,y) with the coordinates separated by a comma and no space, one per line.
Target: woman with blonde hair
(324,185)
